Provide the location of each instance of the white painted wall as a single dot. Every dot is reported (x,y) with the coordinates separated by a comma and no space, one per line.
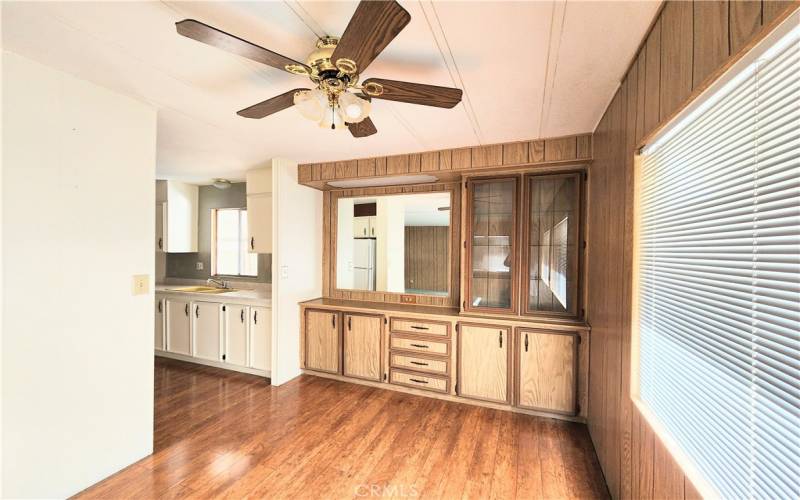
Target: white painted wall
(390,247)
(78,221)
(296,268)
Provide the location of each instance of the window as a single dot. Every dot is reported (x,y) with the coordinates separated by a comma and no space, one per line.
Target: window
(231,257)
(717,315)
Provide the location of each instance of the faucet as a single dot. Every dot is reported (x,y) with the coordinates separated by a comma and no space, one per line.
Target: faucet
(219,283)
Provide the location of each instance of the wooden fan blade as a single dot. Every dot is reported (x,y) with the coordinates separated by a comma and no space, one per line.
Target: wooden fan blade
(373,25)
(231,43)
(416,93)
(363,128)
(270,106)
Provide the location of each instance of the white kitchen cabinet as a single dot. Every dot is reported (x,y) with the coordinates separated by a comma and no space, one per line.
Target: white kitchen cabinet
(237,330)
(260,338)
(179,333)
(161,225)
(160,339)
(207,330)
(259,223)
(361,228)
(179,207)
(259,210)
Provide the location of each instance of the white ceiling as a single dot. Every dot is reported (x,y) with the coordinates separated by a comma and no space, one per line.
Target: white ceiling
(528,70)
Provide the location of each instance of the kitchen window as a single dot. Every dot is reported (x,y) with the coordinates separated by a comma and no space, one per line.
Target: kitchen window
(230,256)
(717,279)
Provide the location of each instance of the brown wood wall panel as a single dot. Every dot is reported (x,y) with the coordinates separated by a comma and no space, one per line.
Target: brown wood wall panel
(584,146)
(426,262)
(536,150)
(487,156)
(515,153)
(710,38)
(414,163)
(366,167)
(346,169)
(745,21)
(676,56)
(305,173)
(445,160)
(635,462)
(397,165)
(461,158)
(652,77)
(429,161)
(560,149)
(328,171)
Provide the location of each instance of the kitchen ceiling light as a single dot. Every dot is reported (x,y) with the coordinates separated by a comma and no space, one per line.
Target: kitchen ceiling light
(221,183)
(311,104)
(332,119)
(352,108)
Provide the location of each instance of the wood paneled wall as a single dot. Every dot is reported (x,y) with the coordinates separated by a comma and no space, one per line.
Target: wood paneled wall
(688,46)
(510,154)
(426,257)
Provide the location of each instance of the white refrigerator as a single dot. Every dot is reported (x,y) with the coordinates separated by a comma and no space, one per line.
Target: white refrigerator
(363,264)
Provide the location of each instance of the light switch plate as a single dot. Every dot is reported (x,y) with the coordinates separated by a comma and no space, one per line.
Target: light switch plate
(198,266)
(141,284)
(284,272)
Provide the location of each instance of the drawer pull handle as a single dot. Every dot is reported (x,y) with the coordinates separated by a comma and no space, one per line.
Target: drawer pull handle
(415,327)
(241,316)
(159,306)
(186,309)
(418,363)
(526,342)
(421,346)
(501,339)
(418,381)
(196,311)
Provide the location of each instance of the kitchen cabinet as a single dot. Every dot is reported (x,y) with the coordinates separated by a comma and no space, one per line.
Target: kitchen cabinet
(546,370)
(207,330)
(322,341)
(491,245)
(237,331)
(259,210)
(362,346)
(160,339)
(161,225)
(179,337)
(483,362)
(179,208)
(260,338)
(364,227)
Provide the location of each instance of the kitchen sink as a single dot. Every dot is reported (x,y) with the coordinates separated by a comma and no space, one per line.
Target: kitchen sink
(201,289)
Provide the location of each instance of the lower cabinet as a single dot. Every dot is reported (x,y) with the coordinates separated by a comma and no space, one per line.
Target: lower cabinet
(322,340)
(207,329)
(160,339)
(546,370)
(483,362)
(179,327)
(237,321)
(260,338)
(362,346)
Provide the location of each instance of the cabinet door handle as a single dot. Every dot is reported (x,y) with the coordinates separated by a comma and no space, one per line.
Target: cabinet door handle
(255,317)
(418,363)
(253,243)
(196,311)
(415,327)
(501,339)
(365,231)
(241,316)
(333,320)
(349,322)
(161,243)
(186,309)
(421,346)
(372,231)
(418,381)
(526,342)
(159,306)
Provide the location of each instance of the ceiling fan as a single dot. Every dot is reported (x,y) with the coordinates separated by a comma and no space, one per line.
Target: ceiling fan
(337,99)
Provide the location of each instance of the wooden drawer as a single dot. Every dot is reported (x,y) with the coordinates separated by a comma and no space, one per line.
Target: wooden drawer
(420,363)
(420,381)
(420,345)
(404,325)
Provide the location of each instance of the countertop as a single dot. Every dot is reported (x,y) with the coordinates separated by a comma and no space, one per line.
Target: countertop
(261,296)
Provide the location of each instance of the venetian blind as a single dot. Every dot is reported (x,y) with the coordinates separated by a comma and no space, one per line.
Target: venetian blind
(719,279)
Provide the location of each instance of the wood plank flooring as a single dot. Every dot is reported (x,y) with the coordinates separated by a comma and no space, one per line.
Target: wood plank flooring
(221,434)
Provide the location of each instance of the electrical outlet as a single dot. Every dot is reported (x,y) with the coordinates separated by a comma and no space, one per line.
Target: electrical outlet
(284,272)
(408,299)
(141,284)
(198,266)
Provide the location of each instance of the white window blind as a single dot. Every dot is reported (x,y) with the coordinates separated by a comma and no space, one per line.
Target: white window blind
(719,279)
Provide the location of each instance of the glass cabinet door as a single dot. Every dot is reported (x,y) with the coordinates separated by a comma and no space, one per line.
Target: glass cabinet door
(552,236)
(492,246)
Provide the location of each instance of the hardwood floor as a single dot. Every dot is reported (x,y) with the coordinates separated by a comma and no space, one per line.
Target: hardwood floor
(225,434)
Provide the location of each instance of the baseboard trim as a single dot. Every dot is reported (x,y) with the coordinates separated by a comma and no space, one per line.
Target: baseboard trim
(215,364)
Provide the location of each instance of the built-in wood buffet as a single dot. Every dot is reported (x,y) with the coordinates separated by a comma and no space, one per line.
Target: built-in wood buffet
(469,288)
(529,367)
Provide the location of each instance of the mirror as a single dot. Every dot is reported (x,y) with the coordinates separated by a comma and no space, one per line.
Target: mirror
(394,243)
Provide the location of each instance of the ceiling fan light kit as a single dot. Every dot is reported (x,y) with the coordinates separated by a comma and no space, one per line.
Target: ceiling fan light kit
(334,67)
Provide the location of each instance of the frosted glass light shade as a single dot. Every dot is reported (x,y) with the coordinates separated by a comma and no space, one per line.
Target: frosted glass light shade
(311,104)
(352,108)
(332,116)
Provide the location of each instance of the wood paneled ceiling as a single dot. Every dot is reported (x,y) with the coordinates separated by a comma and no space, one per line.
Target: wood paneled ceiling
(528,69)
